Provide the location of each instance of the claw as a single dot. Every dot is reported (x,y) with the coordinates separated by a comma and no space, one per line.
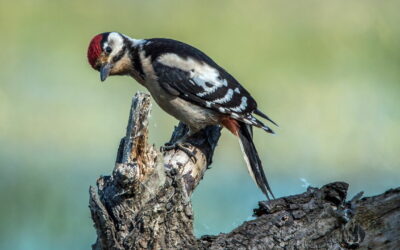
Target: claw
(181,146)
(167,146)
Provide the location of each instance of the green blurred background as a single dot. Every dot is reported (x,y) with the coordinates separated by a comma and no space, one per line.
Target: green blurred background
(326,71)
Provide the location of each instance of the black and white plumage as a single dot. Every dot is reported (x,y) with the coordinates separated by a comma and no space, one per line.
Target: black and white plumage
(187,84)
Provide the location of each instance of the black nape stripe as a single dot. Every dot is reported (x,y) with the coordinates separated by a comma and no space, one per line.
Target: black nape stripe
(118,56)
(134,55)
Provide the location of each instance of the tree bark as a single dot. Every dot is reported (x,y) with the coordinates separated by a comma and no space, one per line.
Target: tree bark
(145,203)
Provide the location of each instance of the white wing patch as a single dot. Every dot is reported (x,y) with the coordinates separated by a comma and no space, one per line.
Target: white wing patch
(222,109)
(209,80)
(228,96)
(242,106)
(202,82)
(202,74)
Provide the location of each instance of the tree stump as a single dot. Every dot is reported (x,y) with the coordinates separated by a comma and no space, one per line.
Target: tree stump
(146,203)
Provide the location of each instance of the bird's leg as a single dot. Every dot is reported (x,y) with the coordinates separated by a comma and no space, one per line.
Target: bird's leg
(181,145)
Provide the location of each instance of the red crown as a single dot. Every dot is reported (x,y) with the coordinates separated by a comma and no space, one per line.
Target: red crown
(94,50)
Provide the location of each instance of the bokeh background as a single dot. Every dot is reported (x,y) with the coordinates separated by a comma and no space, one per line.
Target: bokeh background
(326,71)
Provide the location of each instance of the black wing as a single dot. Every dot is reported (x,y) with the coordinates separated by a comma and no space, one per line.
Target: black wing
(184,71)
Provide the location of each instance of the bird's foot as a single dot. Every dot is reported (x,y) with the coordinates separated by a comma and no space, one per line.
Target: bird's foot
(181,146)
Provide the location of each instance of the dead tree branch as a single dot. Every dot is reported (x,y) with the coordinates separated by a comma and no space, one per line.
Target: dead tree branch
(145,203)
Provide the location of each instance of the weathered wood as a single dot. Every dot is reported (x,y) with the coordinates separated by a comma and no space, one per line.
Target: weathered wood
(318,219)
(145,203)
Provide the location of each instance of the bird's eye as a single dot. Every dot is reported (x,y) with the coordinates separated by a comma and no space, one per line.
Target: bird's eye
(108,50)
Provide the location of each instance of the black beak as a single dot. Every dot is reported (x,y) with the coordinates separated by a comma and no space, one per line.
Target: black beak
(105,71)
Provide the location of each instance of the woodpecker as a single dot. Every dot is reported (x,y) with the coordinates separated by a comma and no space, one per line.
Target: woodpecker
(186,84)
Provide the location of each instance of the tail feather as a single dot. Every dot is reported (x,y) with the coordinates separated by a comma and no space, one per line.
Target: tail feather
(251,120)
(258,112)
(259,124)
(252,159)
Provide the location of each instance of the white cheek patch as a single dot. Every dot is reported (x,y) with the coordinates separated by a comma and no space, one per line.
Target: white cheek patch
(116,42)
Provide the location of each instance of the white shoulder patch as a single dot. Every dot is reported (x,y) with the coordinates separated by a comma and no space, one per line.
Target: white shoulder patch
(202,74)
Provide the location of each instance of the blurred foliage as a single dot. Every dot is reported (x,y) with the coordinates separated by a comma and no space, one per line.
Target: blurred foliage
(327,72)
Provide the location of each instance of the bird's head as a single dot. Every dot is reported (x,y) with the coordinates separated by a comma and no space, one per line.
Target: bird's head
(107,53)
